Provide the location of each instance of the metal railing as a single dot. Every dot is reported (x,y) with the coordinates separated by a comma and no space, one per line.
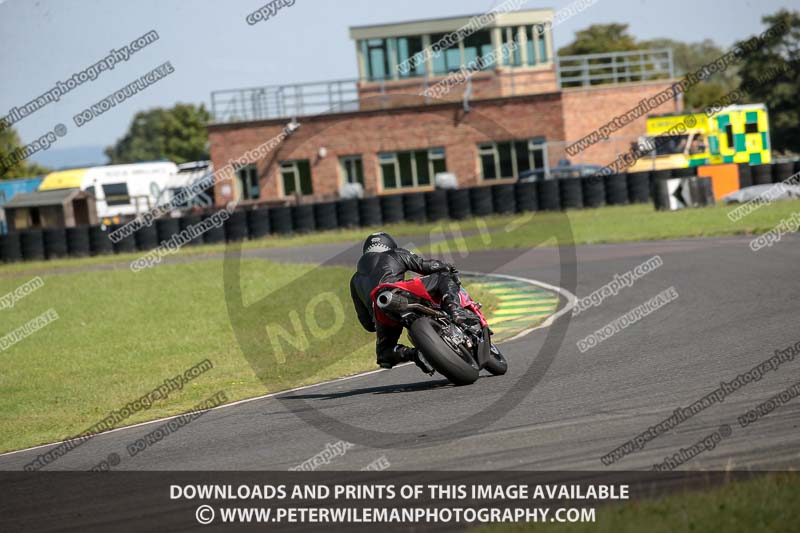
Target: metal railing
(615,67)
(341,96)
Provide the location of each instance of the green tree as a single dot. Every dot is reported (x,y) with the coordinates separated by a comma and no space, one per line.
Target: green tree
(780,53)
(688,57)
(599,39)
(9,169)
(177,134)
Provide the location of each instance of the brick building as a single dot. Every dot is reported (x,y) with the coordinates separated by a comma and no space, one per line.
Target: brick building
(392,130)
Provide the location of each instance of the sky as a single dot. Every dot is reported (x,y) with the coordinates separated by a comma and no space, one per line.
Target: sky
(211,46)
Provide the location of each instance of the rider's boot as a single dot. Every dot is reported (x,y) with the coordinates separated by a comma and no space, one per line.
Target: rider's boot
(451,303)
(400,354)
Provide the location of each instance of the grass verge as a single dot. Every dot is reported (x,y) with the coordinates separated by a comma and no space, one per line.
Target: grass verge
(120,335)
(767,503)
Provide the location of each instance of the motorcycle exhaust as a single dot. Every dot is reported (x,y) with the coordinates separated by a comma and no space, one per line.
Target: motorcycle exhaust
(393,301)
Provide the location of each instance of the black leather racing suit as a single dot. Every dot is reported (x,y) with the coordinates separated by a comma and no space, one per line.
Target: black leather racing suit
(375,268)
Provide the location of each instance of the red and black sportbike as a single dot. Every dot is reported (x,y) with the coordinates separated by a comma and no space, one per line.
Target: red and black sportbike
(456,352)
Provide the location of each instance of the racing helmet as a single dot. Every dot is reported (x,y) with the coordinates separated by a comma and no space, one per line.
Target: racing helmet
(379,242)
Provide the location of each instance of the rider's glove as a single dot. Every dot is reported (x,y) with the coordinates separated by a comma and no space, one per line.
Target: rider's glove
(440,266)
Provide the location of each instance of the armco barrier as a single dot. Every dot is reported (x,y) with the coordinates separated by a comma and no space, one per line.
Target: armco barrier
(456,204)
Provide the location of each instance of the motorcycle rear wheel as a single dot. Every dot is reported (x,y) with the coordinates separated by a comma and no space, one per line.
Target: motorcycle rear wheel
(424,334)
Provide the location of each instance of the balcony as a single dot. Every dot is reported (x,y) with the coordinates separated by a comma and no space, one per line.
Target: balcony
(350,95)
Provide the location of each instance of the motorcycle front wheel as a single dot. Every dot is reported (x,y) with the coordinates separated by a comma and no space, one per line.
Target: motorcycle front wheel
(496,364)
(425,334)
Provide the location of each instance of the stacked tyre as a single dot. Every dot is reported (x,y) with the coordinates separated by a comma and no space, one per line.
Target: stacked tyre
(78,243)
(32,244)
(392,208)
(55,243)
(347,213)
(661,195)
(99,243)
(570,193)
(594,191)
(782,171)
(10,247)
(258,223)
(458,203)
(414,207)
(639,191)
(236,226)
(215,232)
(504,198)
(745,175)
(369,211)
(480,201)
(548,193)
(126,244)
(303,218)
(325,216)
(186,222)
(436,205)
(166,228)
(280,220)
(762,174)
(616,186)
(525,196)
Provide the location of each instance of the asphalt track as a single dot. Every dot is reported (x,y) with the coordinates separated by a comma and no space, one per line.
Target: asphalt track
(734,309)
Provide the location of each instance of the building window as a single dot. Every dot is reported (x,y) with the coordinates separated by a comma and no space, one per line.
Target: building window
(478,50)
(248,182)
(296,177)
(414,168)
(406,48)
(503,160)
(535,46)
(116,194)
(448,59)
(511,37)
(352,169)
(376,57)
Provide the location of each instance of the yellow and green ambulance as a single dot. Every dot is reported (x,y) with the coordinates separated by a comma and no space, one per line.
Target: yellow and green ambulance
(734,134)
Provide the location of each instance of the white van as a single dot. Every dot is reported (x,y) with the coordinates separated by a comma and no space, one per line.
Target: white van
(121,191)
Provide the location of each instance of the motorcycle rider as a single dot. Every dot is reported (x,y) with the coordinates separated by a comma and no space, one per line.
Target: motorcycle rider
(384,262)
